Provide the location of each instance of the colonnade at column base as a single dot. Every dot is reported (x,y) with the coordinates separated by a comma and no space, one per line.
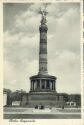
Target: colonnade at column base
(43,83)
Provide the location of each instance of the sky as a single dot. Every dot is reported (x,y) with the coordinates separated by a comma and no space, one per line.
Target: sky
(21,44)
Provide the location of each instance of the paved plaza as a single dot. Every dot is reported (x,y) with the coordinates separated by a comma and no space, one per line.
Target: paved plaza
(31,113)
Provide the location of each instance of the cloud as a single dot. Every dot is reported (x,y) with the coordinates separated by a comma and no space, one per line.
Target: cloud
(20,46)
(27,22)
(18,78)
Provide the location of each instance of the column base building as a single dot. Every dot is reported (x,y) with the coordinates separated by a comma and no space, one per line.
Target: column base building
(42,90)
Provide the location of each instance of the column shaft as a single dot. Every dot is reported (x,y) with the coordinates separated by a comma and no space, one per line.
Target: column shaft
(54,85)
(45,84)
(33,84)
(43,48)
(50,85)
(40,83)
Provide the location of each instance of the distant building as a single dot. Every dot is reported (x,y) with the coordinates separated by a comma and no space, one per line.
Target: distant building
(76,99)
(6,97)
(16,103)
